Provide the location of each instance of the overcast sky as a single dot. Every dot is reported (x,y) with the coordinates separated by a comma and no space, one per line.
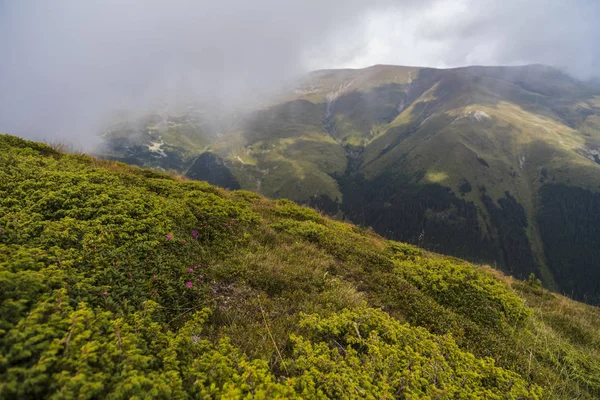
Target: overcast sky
(67,64)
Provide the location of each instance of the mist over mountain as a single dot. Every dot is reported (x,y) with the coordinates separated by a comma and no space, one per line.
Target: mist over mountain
(68,66)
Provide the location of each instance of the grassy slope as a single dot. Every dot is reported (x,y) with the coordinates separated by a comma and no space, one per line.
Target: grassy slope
(319,84)
(511,127)
(530,107)
(283,303)
(292,148)
(284,152)
(518,130)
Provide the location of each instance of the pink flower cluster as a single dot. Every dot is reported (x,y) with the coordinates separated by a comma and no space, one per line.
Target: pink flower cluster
(192,270)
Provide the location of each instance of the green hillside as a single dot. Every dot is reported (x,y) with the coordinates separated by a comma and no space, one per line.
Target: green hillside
(161,140)
(120,282)
(492,164)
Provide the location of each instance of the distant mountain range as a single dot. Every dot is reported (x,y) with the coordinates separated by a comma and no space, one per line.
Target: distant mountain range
(499,165)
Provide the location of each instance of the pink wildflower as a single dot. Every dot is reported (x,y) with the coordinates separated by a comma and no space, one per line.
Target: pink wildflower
(195,234)
(155,277)
(190,270)
(235,220)
(200,276)
(105,294)
(189,284)
(154,293)
(169,236)
(197,292)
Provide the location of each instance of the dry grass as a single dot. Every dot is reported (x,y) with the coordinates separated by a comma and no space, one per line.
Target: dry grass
(65,148)
(507,279)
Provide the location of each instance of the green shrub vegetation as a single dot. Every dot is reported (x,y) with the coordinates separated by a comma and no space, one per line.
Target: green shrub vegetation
(119,282)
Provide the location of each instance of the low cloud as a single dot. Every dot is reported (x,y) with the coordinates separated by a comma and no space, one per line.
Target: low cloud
(67,65)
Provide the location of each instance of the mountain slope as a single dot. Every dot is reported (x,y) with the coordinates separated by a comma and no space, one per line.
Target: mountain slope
(437,156)
(119,281)
(165,139)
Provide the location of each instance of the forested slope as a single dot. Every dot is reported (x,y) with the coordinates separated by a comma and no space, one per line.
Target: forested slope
(117,282)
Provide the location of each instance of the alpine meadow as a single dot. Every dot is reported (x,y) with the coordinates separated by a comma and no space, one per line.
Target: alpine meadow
(121,282)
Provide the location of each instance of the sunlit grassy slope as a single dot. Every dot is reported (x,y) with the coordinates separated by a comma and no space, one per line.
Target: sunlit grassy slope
(123,282)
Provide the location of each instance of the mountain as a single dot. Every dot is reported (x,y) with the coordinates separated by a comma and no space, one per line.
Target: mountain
(499,165)
(169,138)
(122,282)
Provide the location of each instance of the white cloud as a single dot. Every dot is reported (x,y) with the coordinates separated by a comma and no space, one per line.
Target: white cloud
(488,32)
(67,63)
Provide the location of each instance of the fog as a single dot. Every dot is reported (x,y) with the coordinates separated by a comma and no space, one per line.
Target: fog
(67,65)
